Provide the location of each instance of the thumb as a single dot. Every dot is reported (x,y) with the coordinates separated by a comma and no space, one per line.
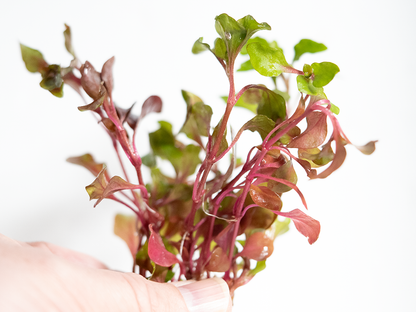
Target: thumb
(209,295)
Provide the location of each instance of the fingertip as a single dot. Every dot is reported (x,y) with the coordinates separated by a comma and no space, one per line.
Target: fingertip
(209,295)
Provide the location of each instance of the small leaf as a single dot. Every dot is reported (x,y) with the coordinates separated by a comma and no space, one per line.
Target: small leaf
(269,61)
(117,184)
(307,46)
(323,73)
(316,156)
(306,225)
(220,50)
(96,103)
(305,85)
(338,160)
(256,217)
(198,122)
(199,46)
(90,80)
(285,172)
(52,80)
(266,198)
(157,251)
(68,40)
(315,133)
(236,33)
(279,227)
(33,59)
(258,246)
(260,266)
(245,66)
(153,104)
(125,228)
(224,143)
(96,189)
(149,160)
(367,149)
(219,261)
(335,109)
(88,162)
(107,75)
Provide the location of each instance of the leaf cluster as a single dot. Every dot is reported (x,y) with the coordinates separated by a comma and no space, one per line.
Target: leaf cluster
(202,220)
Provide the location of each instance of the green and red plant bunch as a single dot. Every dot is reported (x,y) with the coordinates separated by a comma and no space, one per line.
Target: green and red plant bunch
(203,221)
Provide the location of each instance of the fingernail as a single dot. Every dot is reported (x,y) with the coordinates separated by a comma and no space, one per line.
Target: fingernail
(209,295)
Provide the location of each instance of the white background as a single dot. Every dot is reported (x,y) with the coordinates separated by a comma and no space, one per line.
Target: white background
(365,257)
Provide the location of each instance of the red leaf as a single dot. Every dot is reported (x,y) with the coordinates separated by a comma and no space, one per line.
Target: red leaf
(315,133)
(97,187)
(153,104)
(266,198)
(90,80)
(157,251)
(305,224)
(258,246)
(88,162)
(224,237)
(107,75)
(96,103)
(114,185)
(367,149)
(219,261)
(125,228)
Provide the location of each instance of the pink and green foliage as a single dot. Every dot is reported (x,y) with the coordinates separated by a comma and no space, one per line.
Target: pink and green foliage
(221,223)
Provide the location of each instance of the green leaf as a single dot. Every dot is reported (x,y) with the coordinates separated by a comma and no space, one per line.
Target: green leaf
(220,50)
(260,266)
(272,105)
(261,124)
(335,109)
(188,160)
(236,33)
(198,122)
(323,73)
(272,44)
(224,143)
(183,159)
(199,46)
(317,157)
(198,117)
(279,227)
(68,41)
(307,69)
(245,66)
(307,46)
(285,172)
(52,80)
(305,85)
(268,61)
(284,95)
(149,160)
(33,59)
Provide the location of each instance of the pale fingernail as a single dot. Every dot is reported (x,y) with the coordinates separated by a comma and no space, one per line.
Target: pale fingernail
(209,295)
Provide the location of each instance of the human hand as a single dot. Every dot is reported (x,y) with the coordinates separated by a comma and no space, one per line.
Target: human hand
(45,277)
